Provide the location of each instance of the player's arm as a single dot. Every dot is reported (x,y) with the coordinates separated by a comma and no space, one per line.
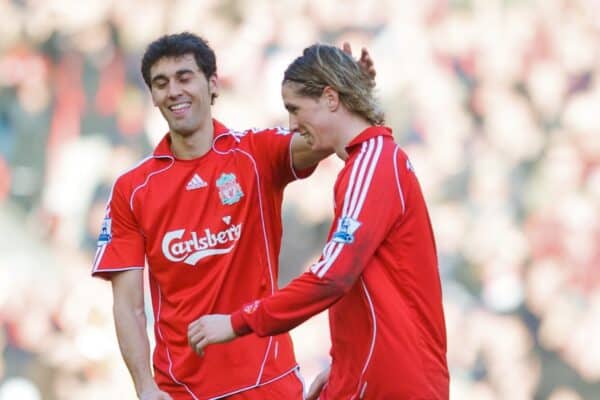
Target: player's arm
(360,227)
(366,210)
(130,323)
(305,296)
(303,157)
(317,386)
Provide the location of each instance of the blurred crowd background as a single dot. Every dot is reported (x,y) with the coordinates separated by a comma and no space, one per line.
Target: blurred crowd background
(497,102)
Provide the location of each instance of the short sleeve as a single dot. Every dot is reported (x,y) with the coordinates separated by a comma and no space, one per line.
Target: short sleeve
(271,149)
(120,242)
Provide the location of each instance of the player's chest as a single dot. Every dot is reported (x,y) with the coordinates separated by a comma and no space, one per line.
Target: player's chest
(192,194)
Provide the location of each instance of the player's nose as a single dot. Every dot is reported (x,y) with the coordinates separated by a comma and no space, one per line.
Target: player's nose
(174,89)
(293,123)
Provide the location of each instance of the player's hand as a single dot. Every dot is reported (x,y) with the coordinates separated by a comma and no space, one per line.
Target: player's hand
(365,61)
(317,385)
(154,394)
(210,329)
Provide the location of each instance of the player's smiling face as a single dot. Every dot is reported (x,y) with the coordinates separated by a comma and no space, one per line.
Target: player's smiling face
(182,93)
(308,116)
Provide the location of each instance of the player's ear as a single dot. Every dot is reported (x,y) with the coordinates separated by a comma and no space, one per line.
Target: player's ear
(213,87)
(331,98)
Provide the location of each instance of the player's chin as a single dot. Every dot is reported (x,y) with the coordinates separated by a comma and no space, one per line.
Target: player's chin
(315,145)
(182,128)
(308,139)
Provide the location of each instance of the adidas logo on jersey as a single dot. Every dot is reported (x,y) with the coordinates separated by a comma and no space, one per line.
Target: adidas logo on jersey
(196,183)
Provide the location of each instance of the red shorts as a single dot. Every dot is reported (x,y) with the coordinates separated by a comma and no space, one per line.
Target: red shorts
(290,387)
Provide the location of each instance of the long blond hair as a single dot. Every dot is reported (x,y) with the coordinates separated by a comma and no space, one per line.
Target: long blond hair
(322,65)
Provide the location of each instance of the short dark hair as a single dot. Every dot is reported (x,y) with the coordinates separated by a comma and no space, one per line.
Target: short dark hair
(178,45)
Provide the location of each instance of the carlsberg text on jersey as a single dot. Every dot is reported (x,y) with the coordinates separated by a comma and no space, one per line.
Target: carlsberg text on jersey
(192,248)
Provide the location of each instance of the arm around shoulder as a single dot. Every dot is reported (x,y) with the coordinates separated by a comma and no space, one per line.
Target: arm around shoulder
(303,157)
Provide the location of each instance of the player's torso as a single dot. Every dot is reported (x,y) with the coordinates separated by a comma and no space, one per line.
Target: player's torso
(379,349)
(209,250)
(210,229)
(201,221)
(377,335)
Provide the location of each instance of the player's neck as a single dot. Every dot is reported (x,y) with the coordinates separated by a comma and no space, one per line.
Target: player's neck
(350,128)
(188,147)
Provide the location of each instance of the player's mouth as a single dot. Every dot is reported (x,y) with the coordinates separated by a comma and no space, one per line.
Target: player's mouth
(180,109)
(306,136)
(303,132)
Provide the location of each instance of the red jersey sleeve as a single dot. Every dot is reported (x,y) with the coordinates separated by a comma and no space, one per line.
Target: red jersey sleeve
(272,152)
(120,243)
(366,208)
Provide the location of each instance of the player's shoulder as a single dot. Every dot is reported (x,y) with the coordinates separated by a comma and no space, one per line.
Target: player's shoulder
(139,173)
(380,150)
(259,139)
(401,160)
(398,150)
(392,152)
(383,157)
(257,132)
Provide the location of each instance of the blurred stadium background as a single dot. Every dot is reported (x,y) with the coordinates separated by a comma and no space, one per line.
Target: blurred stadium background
(497,102)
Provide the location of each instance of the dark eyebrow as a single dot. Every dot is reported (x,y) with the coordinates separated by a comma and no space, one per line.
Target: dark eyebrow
(183,72)
(178,74)
(158,78)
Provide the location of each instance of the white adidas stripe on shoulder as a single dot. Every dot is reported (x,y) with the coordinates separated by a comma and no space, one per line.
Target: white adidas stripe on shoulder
(359,183)
(332,246)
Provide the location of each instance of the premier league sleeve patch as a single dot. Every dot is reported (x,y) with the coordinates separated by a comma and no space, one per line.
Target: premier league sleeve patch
(345,230)
(105,234)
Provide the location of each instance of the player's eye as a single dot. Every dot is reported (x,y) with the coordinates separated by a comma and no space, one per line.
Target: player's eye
(160,84)
(185,78)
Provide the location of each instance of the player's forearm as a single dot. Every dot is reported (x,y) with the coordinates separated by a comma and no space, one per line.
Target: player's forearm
(130,325)
(303,298)
(303,157)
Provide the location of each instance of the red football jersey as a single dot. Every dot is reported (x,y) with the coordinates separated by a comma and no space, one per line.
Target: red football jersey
(378,275)
(210,232)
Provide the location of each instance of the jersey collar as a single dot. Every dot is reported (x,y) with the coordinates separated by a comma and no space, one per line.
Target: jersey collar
(370,132)
(163,149)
